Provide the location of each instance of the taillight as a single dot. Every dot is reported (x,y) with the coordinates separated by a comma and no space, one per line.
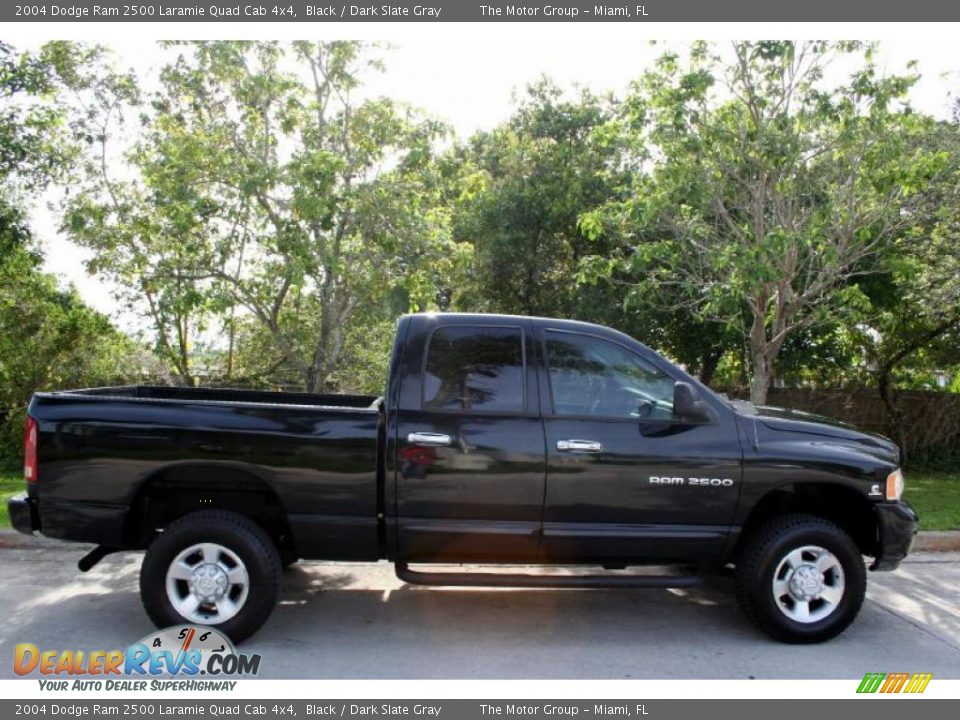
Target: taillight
(30,450)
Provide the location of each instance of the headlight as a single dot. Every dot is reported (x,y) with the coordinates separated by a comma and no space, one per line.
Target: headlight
(895,485)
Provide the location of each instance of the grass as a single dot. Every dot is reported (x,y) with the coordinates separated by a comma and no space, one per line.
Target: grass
(11,483)
(934,494)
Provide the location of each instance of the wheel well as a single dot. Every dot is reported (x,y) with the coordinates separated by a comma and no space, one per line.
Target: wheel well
(175,492)
(841,505)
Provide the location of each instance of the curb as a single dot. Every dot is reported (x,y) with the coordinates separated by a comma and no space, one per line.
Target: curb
(937,541)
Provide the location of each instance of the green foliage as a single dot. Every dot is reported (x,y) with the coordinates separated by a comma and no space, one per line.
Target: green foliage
(909,322)
(517,192)
(746,213)
(35,144)
(263,189)
(366,355)
(11,484)
(764,191)
(48,338)
(936,497)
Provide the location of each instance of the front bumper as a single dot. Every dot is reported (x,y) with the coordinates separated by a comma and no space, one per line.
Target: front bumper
(897,523)
(22,510)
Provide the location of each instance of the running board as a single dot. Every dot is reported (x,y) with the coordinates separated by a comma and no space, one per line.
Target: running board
(469,579)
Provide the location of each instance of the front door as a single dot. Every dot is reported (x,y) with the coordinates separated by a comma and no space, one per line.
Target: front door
(627,481)
(470,461)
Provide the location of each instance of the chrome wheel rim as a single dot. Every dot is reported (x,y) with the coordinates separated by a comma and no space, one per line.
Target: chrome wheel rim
(207,583)
(808,584)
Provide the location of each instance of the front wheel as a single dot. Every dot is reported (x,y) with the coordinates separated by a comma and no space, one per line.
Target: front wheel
(801,579)
(211,568)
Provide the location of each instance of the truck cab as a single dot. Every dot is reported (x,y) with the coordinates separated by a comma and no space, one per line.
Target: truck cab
(554,441)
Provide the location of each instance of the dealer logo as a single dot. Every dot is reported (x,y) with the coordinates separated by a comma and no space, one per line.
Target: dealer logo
(179,651)
(894,682)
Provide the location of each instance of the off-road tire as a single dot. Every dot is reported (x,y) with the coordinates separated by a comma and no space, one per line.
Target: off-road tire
(244,538)
(758,561)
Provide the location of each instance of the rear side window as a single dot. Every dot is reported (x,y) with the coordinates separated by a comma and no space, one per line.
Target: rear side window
(474,369)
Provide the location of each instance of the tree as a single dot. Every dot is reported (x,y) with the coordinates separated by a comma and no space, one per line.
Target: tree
(152,249)
(35,145)
(289,201)
(765,189)
(913,321)
(147,244)
(48,337)
(517,193)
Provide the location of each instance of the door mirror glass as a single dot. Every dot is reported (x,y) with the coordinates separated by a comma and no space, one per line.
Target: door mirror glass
(687,404)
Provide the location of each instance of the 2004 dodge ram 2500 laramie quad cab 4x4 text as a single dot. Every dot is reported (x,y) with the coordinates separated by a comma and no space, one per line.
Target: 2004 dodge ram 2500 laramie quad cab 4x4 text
(500,440)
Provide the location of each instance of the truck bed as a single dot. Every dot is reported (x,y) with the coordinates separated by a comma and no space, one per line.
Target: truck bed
(224,395)
(105,450)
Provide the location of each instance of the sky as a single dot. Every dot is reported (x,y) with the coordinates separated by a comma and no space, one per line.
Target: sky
(471,86)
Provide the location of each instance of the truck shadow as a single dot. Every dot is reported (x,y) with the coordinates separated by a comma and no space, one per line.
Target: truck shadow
(485,632)
(368,624)
(359,621)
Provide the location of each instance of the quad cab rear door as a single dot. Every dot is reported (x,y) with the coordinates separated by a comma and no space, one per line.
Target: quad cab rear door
(470,464)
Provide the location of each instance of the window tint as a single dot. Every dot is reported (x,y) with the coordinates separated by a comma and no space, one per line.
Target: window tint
(589,376)
(474,368)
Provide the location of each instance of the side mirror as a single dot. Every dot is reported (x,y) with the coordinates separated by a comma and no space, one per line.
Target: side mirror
(687,404)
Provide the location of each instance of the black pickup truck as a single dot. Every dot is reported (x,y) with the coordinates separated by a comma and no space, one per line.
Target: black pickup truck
(501,440)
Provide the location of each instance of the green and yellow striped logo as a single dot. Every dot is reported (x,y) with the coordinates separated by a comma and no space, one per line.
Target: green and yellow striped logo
(894,682)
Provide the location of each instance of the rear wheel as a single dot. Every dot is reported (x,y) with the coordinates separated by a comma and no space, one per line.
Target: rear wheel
(801,579)
(211,568)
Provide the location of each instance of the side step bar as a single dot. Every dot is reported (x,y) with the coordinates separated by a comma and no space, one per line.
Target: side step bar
(470,579)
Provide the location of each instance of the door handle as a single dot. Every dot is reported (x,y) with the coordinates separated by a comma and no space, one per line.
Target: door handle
(429,439)
(579,446)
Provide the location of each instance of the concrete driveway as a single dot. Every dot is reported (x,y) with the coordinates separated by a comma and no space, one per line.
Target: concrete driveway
(359,621)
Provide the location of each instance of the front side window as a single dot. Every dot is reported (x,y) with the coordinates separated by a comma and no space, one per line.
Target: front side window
(590,376)
(474,368)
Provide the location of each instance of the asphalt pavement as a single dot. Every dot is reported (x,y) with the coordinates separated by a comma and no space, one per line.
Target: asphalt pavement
(359,621)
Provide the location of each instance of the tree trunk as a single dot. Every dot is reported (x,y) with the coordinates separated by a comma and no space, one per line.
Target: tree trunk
(230,347)
(233,311)
(885,378)
(885,389)
(183,351)
(708,365)
(760,381)
(760,359)
(315,376)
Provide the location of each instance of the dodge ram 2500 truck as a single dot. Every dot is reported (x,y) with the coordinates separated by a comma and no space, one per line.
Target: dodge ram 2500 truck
(500,440)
